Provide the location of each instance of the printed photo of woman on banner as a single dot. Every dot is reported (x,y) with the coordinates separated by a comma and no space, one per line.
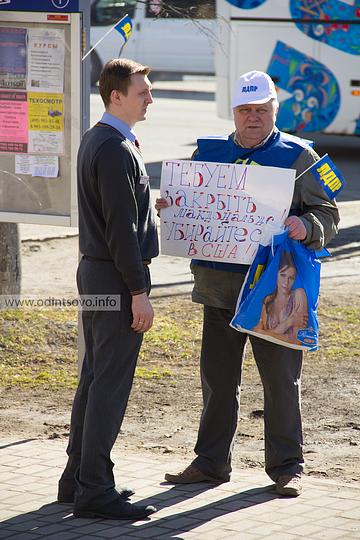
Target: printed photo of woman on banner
(281,306)
(285,311)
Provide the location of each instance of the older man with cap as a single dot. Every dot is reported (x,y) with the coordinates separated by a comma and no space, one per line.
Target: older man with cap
(313,221)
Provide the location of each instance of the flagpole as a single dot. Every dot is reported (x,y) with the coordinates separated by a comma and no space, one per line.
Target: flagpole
(104,36)
(311,166)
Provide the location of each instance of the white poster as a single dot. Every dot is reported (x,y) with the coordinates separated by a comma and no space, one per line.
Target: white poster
(45,166)
(220,211)
(46,53)
(46,142)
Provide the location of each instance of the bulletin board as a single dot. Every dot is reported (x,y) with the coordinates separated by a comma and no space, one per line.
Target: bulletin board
(40,116)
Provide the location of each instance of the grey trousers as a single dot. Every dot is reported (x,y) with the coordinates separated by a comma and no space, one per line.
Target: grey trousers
(280,370)
(112,349)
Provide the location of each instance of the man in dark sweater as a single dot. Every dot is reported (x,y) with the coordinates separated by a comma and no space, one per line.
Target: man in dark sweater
(118,239)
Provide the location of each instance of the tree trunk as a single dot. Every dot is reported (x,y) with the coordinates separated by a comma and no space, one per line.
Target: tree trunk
(10,259)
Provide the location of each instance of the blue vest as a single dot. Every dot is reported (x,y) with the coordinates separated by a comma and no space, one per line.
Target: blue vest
(280,150)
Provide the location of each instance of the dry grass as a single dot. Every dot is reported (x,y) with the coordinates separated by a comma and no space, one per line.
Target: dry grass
(38,348)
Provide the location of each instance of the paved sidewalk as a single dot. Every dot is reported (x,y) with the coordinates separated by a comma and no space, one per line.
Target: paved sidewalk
(246,508)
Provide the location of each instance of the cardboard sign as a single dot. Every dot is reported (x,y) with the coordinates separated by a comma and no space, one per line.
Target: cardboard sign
(220,211)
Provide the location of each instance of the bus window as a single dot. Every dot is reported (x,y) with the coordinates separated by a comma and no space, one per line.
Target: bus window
(107,12)
(180,9)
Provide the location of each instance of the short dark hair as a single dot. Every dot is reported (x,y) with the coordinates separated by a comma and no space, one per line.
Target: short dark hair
(116,75)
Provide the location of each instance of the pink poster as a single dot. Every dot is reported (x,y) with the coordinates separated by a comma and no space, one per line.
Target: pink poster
(13,121)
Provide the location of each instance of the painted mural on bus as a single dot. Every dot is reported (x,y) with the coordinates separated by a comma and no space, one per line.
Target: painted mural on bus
(321,84)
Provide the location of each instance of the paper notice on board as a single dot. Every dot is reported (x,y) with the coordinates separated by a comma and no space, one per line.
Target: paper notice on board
(46,123)
(45,112)
(44,166)
(13,121)
(13,57)
(46,142)
(46,54)
(22,164)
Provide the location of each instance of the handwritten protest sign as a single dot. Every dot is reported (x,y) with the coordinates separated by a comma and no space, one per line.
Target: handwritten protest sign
(220,211)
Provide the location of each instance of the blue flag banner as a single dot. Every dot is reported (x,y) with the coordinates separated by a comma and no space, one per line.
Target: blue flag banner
(124,27)
(328,176)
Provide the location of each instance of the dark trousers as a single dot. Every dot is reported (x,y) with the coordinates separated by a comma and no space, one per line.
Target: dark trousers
(112,349)
(280,370)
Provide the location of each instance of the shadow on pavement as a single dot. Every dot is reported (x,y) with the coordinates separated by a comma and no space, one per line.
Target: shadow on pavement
(16,443)
(55,519)
(346,244)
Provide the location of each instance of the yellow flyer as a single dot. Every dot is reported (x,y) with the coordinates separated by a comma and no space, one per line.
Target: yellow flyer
(45,111)
(46,123)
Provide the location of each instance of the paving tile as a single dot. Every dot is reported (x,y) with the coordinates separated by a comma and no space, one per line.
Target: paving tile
(320,513)
(19,481)
(114,532)
(233,506)
(208,514)
(352,514)
(244,536)
(218,534)
(306,531)
(283,536)
(78,523)
(178,523)
(329,534)
(352,525)
(238,525)
(97,527)
(266,529)
(334,522)
(281,518)
(24,536)
(345,504)
(6,533)
(180,536)
(150,532)
(56,528)
(66,536)
(19,498)
(6,514)
(26,526)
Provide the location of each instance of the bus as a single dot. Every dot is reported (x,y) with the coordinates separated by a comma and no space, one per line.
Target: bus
(310,48)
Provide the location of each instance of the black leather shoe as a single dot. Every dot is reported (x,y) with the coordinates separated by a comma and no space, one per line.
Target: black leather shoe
(118,509)
(66,496)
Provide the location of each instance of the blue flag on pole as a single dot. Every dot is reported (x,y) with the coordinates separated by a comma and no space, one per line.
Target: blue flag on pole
(124,27)
(328,176)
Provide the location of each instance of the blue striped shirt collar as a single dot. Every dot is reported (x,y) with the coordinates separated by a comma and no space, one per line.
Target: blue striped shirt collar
(118,124)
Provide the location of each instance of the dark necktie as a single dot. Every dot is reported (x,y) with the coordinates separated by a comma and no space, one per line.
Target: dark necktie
(137,144)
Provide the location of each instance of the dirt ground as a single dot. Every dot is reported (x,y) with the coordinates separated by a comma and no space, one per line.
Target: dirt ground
(163,413)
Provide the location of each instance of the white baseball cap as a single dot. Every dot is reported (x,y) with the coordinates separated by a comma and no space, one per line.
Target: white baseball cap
(254,87)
